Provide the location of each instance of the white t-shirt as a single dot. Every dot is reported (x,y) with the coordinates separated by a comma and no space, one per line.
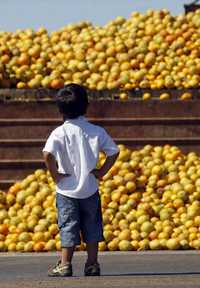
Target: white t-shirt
(76,145)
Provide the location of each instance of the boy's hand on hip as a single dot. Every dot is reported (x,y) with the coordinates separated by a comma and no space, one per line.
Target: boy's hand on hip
(97,173)
(60,176)
(110,160)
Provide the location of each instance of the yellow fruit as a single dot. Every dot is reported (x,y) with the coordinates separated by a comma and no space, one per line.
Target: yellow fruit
(37,210)
(52,217)
(155,244)
(58,246)
(10,199)
(143,245)
(38,237)
(123,96)
(102,246)
(4,229)
(108,235)
(125,245)
(28,247)
(172,244)
(125,235)
(32,223)
(57,83)
(164,96)
(47,236)
(3,215)
(150,200)
(123,224)
(118,55)
(186,96)
(53,229)
(113,245)
(20,246)
(12,247)
(50,245)
(40,228)
(21,227)
(3,246)
(24,237)
(39,246)
(147,227)
(146,96)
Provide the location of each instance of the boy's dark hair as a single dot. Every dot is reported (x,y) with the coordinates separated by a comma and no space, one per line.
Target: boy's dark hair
(72,101)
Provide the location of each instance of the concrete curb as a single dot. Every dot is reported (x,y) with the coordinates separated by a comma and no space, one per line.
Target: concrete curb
(104,254)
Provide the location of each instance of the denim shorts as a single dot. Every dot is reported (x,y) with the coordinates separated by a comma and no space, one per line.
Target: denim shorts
(77,216)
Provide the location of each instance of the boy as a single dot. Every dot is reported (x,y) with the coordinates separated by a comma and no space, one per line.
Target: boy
(71,154)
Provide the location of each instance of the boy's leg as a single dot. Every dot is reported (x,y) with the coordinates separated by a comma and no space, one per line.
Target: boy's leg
(66,255)
(91,225)
(92,253)
(69,226)
(92,267)
(63,267)
(92,231)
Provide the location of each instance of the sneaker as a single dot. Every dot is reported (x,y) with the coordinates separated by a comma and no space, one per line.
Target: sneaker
(61,271)
(92,270)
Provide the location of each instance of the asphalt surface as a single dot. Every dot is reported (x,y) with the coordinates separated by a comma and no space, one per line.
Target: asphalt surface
(119,270)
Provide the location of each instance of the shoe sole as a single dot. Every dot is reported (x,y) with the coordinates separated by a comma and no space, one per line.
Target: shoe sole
(58,275)
(94,274)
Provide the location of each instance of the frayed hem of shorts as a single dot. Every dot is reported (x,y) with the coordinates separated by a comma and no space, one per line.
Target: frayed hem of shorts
(69,246)
(94,241)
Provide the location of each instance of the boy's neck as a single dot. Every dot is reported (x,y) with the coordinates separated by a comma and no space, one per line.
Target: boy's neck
(65,118)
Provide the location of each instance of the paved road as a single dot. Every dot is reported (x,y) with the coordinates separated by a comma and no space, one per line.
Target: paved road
(163,269)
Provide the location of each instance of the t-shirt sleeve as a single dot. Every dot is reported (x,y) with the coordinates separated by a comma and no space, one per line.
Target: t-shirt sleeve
(107,144)
(52,145)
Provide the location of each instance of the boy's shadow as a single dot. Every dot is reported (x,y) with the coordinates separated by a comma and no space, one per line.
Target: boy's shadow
(151,274)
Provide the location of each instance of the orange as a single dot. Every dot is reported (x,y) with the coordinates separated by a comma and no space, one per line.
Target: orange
(39,247)
(4,229)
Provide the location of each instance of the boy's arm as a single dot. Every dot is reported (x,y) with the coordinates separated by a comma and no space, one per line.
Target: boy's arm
(110,160)
(52,167)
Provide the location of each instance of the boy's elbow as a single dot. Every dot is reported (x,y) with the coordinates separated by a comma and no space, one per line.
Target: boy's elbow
(116,155)
(46,155)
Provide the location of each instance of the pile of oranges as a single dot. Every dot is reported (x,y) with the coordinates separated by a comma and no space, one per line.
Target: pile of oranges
(152,50)
(28,216)
(150,200)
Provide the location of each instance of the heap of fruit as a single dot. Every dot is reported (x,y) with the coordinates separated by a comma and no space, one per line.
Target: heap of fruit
(152,50)
(28,215)
(150,200)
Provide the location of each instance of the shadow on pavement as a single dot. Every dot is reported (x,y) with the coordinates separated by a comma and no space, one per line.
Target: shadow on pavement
(152,274)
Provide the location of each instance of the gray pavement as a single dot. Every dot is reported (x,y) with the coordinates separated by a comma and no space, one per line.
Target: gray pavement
(119,270)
